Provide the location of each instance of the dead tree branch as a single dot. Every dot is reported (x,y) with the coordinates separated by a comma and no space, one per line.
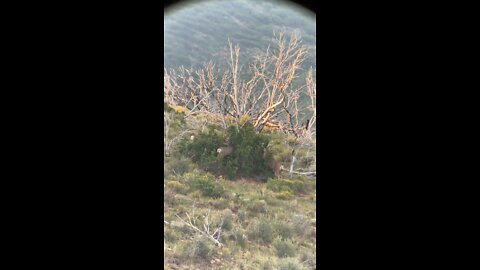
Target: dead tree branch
(206,230)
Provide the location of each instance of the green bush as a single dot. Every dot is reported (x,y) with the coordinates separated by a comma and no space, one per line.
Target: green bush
(284,230)
(177,187)
(257,206)
(197,248)
(178,166)
(241,239)
(284,195)
(249,158)
(227,220)
(169,235)
(203,150)
(294,186)
(242,215)
(284,248)
(261,231)
(207,186)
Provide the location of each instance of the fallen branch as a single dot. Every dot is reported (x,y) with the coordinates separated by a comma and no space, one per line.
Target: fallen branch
(206,227)
(301,173)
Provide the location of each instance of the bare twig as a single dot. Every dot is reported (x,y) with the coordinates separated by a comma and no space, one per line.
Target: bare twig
(215,236)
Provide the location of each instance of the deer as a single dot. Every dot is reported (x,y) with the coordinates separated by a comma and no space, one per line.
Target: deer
(276,167)
(224,151)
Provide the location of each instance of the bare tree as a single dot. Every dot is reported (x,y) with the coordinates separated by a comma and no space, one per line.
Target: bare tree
(268,98)
(169,136)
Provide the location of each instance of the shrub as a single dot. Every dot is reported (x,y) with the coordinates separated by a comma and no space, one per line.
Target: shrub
(241,239)
(300,224)
(203,150)
(308,259)
(249,158)
(289,264)
(168,196)
(257,206)
(197,248)
(227,220)
(169,235)
(207,186)
(177,187)
(284,230)
(179,166)
(284,195)
(260,230)
(294,186)
(242,215)
(284,248)
(220,203)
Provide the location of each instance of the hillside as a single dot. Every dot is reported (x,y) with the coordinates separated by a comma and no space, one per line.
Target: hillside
(197,33)
(242,222)
(239,136)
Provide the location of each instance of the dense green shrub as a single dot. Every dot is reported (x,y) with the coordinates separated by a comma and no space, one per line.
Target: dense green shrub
(249,158)
(203,150)
(207,186)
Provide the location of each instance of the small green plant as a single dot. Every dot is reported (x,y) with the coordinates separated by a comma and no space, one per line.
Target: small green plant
(198,248)
(261,231)
(257,206)
(284,248)
(227,220)
(289,264)
(207,186)
(179,166)
(284,195)
(301,224)
(294,186)
(220,203)
(177,187)
(241,239)
(169,235)
(242,215)
(284,230)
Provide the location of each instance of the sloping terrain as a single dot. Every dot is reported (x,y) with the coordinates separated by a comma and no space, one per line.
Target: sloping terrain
(211,222)
(197,33)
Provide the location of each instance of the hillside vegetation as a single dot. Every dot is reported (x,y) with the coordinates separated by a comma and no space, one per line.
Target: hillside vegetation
(239,137)
(218,221)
